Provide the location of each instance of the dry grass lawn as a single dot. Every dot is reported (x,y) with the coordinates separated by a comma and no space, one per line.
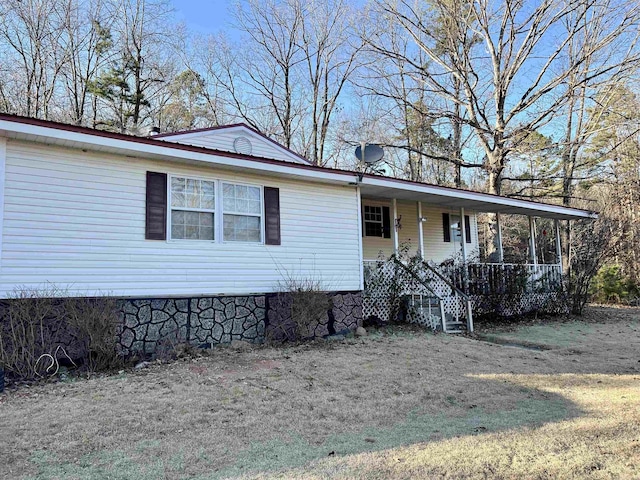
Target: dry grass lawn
(403,404)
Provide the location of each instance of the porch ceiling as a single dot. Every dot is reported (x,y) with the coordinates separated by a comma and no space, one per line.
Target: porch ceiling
(378,187)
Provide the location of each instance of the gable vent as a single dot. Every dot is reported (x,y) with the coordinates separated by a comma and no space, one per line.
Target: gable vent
(242,145)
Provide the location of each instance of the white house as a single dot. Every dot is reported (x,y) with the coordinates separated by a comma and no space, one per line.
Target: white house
(210,214)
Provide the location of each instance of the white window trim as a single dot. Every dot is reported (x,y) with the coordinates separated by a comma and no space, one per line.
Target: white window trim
(218,219)
(202,210)
(220,198)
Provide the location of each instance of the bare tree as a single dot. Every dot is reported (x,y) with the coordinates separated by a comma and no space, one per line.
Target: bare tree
(514,77)
(140,67)
(270,58)
(429,126)
(30,31)
(286,75)
(87,41)
(330,53)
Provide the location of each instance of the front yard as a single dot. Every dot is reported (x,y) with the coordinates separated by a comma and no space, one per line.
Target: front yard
(396,404)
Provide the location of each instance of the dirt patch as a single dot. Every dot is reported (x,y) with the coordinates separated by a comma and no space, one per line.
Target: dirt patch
(399,403)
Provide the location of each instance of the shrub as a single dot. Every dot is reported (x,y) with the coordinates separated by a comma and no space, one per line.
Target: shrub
(591,243)
(300,307)
(29,319)
(40,327)
(96,321)
(610,286)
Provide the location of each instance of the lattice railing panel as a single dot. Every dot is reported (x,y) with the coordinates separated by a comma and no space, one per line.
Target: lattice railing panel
(386,281)
(493,291)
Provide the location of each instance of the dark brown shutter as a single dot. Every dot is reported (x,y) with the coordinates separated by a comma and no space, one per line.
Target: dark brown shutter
(467,228)
(156,218)
(272,216)
(386,222)
(446,227)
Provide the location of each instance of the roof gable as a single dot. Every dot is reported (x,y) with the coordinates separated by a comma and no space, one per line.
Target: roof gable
(239,138)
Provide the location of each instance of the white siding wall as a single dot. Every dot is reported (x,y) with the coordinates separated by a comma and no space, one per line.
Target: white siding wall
(77,220)
(224,139)
(435,248)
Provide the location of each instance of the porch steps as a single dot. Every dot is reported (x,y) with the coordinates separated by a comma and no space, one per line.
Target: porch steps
(454,325)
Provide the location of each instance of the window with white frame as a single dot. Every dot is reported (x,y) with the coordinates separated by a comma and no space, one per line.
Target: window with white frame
(242,213)
(193,204)
(373,223)
(456,228)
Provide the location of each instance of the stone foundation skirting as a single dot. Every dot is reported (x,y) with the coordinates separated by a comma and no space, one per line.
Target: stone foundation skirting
(152,326)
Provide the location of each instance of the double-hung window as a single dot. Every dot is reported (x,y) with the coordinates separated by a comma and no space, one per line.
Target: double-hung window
(242,213)
(193,210)
(373,221)
(193,204)
(183,208)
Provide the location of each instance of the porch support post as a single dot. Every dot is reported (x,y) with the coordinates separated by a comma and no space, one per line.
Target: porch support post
(420,232)
(396,239)
(499,234)
(463,235)
(532,241)
(463,242)
(360,240)
(556,223)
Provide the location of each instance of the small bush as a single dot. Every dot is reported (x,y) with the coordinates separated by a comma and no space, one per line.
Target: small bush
(591,243)
(40,327)
(308,308)
(25,332)
(301,306)
(95,320)
(610,286)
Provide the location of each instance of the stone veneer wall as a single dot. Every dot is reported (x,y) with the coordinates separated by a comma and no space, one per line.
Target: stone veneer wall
(345,314)
(151,326)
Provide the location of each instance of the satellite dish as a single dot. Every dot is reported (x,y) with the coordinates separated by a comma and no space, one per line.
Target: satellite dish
(369,153)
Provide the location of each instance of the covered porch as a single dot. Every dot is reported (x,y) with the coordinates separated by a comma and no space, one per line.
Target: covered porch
(437,228)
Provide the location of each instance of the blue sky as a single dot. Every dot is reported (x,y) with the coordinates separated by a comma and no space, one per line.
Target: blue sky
(204,16)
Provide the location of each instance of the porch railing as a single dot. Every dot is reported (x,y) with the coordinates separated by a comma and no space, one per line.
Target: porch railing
(505,278)
(453,303)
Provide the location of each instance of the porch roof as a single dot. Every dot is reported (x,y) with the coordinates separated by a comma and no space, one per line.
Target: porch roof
(389,188)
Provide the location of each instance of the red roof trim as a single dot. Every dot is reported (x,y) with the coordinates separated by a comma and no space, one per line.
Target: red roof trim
(489,196)
(160,143)
(235,125)
(268,161)
(198,130)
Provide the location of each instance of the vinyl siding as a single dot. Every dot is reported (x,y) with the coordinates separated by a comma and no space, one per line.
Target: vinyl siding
(224,139)
(435,248)
(77,220)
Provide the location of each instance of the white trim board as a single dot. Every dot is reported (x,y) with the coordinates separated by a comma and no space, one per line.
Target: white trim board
(371,186)
(3,163)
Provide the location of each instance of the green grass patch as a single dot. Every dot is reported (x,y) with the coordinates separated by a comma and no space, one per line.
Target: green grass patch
(549,335)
